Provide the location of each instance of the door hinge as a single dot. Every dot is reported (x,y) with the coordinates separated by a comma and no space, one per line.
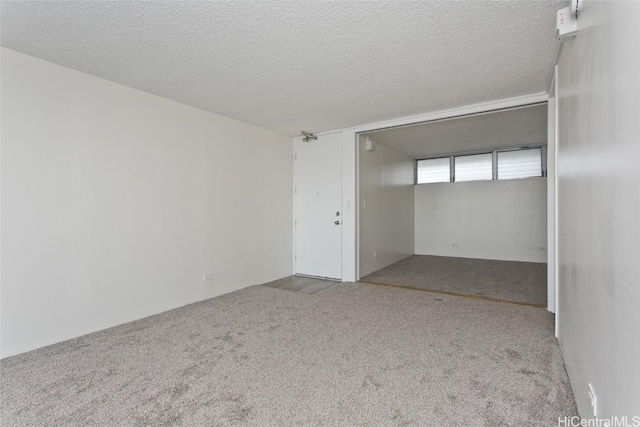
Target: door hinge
(295,222)
(295,256)
(295,156)
(295,190)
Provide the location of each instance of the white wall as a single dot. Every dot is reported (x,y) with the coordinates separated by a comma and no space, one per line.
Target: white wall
(115,202)
(598,168)
(501,220)
(386,179)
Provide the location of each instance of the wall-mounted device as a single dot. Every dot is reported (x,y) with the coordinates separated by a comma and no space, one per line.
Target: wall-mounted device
(567,21)
(566,25)
(576,6)
(368,145)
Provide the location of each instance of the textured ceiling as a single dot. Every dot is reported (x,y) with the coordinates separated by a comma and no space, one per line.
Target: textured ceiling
(288,66)
(508,128)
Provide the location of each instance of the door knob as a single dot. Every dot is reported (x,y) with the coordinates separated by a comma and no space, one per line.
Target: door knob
(337,222)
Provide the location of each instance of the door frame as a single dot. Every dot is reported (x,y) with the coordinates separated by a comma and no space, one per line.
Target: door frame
(350,172)
(552,200)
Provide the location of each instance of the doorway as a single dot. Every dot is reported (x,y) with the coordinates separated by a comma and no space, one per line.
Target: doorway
(478,197)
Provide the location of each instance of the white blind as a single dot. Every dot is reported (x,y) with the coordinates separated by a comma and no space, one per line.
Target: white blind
(433,170)
(473,167)
(520,163)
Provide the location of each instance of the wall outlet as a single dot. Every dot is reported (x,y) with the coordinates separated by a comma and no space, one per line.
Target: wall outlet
(455,245)
(593,400)
(538,249)
(375,254)
(207,276)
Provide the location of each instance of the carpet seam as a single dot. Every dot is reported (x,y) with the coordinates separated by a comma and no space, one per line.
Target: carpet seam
(455,294)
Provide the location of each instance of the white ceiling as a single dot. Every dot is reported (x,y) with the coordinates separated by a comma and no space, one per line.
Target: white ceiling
(297,65)
(507,128)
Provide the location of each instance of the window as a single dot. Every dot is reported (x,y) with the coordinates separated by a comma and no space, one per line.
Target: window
(504,163)
(433,170)
(523,163)
(473,167)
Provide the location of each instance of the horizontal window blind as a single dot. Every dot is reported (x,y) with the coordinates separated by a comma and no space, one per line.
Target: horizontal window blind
(520,163)
(433,170)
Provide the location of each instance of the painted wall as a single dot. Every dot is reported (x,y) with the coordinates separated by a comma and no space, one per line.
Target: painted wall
(386,179)
(598,169)
(115,202)
(502,220)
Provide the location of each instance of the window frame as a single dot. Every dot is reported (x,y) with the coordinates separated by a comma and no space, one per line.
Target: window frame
(415,169)
(453,174)
(543,160)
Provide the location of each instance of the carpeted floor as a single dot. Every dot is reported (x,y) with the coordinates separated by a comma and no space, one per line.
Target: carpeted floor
(523,282)
(352,355)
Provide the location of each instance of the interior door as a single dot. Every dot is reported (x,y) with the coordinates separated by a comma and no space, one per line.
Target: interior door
(318,198)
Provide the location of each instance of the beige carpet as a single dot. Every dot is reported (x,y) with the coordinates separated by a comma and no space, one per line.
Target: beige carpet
(353,355)
(523,282)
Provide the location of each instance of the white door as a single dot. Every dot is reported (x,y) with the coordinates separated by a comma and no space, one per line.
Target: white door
(318,198)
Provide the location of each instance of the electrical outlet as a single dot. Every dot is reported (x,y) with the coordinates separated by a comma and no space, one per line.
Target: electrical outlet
(455,245)
(593,400)
(538,249)
(375,254)
(207,276)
